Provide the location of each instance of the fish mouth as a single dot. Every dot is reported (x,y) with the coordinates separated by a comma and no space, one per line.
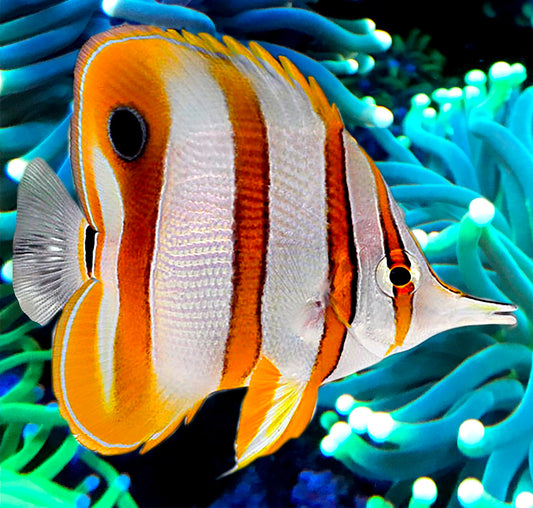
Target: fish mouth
(510,308)
(505,316)
(495,312)
(469,310)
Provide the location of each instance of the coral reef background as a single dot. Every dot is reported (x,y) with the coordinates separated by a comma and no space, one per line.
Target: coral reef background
(434,46)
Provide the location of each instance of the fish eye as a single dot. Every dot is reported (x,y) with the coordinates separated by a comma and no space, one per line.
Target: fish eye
(397,276)
(127,133)
(400,276)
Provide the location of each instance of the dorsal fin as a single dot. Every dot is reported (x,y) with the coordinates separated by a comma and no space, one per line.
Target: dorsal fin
(259,56)
(255,54)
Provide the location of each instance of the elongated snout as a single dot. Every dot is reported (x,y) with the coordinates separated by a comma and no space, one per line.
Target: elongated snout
(437,308)
(477,311)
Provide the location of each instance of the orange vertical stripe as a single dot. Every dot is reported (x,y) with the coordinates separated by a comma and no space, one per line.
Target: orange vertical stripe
(394,251)
(342,252)
(250,222)
(141,183)
(403,310)
(393,245)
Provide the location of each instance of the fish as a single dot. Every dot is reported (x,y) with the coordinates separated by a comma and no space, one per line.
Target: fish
(230,233)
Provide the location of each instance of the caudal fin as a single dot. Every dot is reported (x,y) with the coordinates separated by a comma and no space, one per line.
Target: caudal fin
(48,247)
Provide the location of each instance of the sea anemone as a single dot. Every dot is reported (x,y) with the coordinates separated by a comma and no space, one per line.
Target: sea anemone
(411,66)
(466,185)
(457,409)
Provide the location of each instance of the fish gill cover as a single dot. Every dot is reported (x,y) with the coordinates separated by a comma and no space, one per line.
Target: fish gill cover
(447,424)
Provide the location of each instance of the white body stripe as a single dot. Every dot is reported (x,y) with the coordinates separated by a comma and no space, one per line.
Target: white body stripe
(191,284)
(359,349)
(297,253)
(112,210)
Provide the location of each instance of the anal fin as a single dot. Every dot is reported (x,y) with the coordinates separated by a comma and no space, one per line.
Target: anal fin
(275,409)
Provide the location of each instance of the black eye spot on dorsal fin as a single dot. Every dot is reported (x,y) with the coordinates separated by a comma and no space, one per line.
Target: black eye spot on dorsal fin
(90,244)
(127,132)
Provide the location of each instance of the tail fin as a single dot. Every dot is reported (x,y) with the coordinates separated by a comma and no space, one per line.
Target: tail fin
(48,247)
